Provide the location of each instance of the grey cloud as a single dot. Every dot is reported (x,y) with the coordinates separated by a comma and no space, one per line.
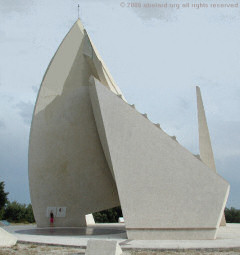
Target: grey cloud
(205,82)
(13,167)
(228,168)
(184,104)
(92,1)
(145,9)
(150,13)
(25,111)
(150,10)
(7,6)
(226,136)
(2,124)
(227,155)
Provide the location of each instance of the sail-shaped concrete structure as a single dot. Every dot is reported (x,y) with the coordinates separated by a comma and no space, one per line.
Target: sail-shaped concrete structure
(67,166)
(90,150)
(205,146)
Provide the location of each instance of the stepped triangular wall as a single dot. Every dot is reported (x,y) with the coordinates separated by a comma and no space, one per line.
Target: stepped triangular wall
(165,191)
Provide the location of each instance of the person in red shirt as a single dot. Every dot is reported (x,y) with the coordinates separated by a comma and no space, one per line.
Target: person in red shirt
(51,219)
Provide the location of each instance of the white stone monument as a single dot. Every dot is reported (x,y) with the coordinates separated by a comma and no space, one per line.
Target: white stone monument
(89,149)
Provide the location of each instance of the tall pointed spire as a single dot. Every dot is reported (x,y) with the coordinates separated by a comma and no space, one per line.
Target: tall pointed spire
(205,147)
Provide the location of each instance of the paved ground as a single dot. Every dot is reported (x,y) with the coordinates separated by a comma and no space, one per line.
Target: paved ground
(228,237)
(32,249)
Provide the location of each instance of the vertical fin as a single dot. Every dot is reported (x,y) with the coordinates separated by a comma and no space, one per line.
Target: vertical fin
(205,146)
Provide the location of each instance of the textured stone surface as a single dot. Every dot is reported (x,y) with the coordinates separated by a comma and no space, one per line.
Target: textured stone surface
(6,239)
(67,166)
(103,247)
(156,176)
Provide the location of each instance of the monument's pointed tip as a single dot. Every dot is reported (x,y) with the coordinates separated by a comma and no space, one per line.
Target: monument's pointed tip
(79,23)
(198,91)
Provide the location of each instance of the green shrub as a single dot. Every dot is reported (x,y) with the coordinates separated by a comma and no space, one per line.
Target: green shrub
(108,216)
(232,215)
(3,199)
(18,213)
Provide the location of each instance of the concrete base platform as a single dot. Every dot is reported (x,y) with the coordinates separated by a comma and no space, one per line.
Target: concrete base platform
(172,234)
(227,237)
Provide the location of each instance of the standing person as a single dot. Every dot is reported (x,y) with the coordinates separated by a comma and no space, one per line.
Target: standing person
(51,219)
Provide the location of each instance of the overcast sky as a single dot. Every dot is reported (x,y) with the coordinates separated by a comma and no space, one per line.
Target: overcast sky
(156,55)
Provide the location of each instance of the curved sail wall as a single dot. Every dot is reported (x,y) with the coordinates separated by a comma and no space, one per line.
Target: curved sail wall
(67,166)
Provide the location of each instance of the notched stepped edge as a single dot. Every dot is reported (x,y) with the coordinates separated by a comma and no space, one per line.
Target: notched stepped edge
(174,138)
(157,125)
(120,96)
(146,116)
(197,156)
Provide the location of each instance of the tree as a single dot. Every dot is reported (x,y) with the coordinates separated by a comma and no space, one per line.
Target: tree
(3,199)
(108,216)
(29,217)
(232,215)
(16,212)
